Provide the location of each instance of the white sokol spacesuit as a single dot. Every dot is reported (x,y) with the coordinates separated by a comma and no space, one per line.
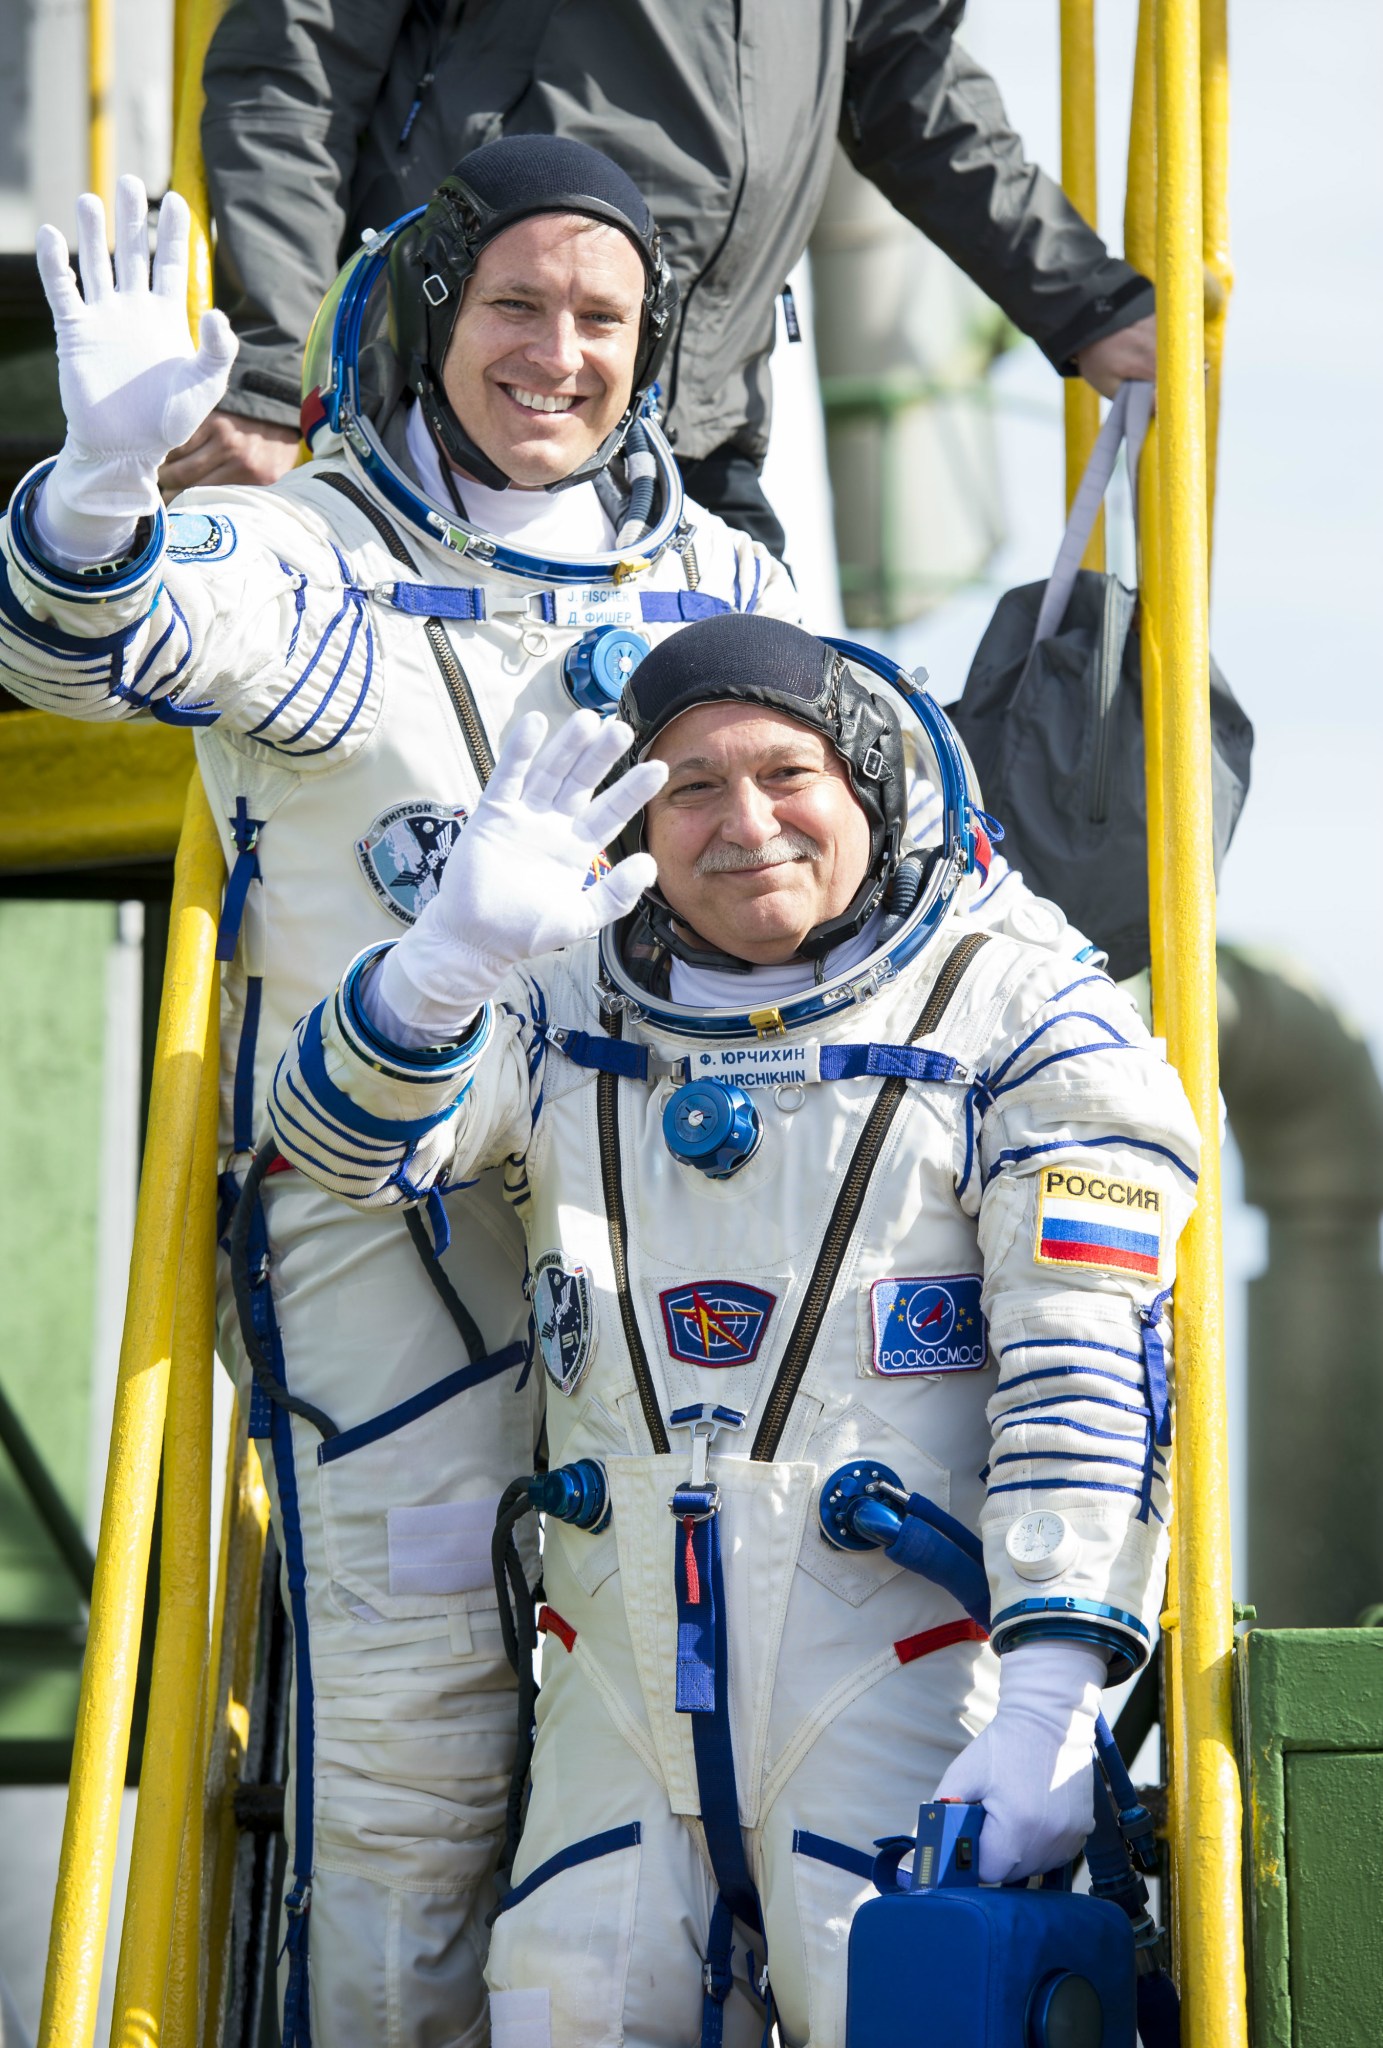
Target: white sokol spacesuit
(959,1274)
(348,652)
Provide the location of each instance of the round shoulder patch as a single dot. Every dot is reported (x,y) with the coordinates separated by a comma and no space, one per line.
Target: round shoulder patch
(200,537)
(403,853)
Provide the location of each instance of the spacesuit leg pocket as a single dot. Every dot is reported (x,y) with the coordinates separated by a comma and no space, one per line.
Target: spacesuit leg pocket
(408,1498)
(560,1950)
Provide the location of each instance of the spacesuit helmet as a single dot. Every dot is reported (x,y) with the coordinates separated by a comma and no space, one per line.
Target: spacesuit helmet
(492,189)
(745,658)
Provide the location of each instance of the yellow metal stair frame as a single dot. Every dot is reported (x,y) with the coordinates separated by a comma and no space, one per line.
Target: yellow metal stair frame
(174,1950)
(93,795)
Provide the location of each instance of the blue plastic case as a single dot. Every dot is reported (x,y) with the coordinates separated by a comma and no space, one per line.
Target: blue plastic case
(940,1961)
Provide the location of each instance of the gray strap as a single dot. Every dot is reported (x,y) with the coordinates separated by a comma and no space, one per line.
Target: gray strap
(1127,420)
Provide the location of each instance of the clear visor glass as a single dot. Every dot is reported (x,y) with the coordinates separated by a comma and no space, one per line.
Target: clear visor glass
(319,354)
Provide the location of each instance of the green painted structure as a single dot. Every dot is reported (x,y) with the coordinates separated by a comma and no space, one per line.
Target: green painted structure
(1310,1706)
(52,1025)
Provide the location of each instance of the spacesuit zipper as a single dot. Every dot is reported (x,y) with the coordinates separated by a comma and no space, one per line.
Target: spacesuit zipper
(617,1222)
(846,1213)
(443,653)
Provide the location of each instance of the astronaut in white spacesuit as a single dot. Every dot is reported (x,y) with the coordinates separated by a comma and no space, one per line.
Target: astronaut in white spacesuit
(348,649)
(814,1174)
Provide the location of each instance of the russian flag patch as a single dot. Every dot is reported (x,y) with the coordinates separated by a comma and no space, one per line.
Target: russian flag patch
(1093,1220)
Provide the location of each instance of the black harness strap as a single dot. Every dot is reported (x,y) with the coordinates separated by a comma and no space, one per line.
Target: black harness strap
(846,1213)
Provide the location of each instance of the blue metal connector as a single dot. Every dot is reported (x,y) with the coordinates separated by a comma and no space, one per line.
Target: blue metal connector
(712,1125)
(597,668)
(573,1493)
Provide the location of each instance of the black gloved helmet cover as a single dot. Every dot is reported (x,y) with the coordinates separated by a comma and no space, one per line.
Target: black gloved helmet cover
(744,658)
(490,190)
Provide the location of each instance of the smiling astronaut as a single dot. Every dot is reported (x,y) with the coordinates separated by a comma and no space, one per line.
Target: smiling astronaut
(944,1242)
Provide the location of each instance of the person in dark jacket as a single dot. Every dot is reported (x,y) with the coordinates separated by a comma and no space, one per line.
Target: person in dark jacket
(327,117)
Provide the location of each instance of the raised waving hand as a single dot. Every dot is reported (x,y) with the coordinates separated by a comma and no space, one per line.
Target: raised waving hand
(515,884)
(133,384)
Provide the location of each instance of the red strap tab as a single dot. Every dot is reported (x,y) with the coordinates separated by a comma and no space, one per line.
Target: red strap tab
(279,1165)
(912,1647)
(550,1623)
(689,1566)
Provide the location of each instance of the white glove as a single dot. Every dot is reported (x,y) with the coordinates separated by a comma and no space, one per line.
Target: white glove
(514,885)
(132,384)
(1031,1767)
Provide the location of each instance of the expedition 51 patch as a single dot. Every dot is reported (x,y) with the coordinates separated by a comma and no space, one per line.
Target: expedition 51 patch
(564,1319)
(928,1325)
(1097,1220)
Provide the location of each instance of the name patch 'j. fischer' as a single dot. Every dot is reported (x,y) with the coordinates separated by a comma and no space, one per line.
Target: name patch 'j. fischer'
(1094,1219)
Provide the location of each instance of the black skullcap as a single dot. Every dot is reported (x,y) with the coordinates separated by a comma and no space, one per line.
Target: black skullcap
(745,658)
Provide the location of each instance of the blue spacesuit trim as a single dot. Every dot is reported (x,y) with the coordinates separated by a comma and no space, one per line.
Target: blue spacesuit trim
(418,1065)
(1068,1458)
(1159,1399)
(194,716)
(1017,1153)
(243,1093)
(835,1062)
(1086,1401)
(1072,1485)
(1070,1052)
(604,1055)
(352,605)
(1062,1017)
(311,1133)
(245,832)
(1058,1372)
(71,585)
(298,584)
(1068,1344)
(177,619)
(672,607)
(434,600)
(435,1396)
(297,2025)
(1113,1436)
(1084,981)
(49,639)
(357,618)
(838,1854)
(338,1105)
(1065,1603)
(571,1858)
(987,895)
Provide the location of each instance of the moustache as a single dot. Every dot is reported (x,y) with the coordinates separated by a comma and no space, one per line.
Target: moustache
(724,858)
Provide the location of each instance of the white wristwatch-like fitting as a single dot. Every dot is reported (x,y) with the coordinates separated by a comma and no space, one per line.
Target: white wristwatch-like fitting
(1041,1545)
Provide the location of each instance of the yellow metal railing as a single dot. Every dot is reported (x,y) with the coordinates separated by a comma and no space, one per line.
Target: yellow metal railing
(1080,180)
(100,103)
(172,1966)
(101,1743)
(1206,1807)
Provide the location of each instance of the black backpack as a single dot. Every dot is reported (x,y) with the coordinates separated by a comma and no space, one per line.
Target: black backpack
(1052,714)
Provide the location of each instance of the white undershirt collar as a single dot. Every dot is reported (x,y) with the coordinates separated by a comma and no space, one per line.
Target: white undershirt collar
(570,522)
(712,988)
